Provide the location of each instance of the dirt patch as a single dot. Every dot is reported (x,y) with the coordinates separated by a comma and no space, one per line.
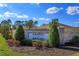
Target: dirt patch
(44,52)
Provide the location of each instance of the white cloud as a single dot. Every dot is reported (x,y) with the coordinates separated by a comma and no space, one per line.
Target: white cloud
(3,5)
(0,15)
(40,18)
(12,14)
(72,10)
(46,19)
(9,14)
(22,16)
(53,10)
(34,18)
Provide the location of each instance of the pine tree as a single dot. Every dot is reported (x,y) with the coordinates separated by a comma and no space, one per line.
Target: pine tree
(53,34)
(19,34)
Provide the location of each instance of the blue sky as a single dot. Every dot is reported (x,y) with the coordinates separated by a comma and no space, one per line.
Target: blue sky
(42,12)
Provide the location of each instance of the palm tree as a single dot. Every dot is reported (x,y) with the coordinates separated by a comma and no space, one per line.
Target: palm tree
(31,23)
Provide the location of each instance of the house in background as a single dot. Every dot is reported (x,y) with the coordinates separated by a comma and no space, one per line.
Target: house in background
(66,33)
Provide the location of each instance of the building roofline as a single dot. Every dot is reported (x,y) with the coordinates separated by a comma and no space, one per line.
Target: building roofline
(47,27)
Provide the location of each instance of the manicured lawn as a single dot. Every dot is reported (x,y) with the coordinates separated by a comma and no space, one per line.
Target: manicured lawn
(5,50)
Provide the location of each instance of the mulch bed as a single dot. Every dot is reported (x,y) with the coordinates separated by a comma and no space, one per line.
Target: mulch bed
(44,52)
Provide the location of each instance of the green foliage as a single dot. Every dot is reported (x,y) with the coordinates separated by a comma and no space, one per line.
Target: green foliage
(45,43)
(5,50)
(75,40)
(31,23)
(53,34)
(40,43)
(5,28)
(3,44)
(17,23)
(37,42)
(19,34)
(27,43)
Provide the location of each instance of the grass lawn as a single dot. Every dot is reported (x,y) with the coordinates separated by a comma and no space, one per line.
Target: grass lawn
(5,50)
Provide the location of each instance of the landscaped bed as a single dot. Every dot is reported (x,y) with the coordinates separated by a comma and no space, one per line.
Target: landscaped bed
(5,50)
(45,52)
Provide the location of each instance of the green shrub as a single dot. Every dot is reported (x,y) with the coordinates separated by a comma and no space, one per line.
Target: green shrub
(37,43)
(27,42)
(45,43)
(75,40)
(34,43)
(19,34)
(40,43)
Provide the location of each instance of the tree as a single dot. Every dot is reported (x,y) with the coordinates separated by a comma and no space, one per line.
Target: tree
(19,34)
(5,29)
(10,22)
(18,23)
(31,23)
(24,23)
(53,34)
(10,28)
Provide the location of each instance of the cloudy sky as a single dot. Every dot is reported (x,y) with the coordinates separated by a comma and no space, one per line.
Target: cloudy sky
(42,12)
